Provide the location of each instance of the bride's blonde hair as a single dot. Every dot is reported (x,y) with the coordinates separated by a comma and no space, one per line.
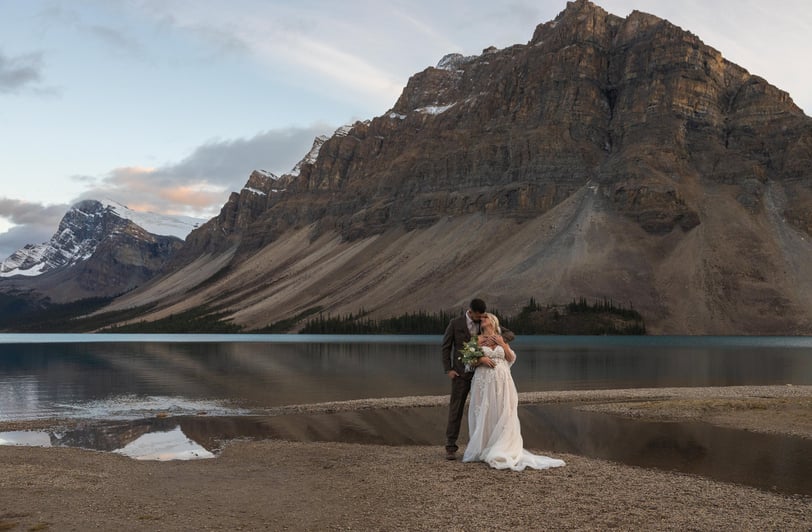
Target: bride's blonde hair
(495,322)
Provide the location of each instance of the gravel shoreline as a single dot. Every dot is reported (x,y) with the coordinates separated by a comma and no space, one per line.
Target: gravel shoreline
(281,485)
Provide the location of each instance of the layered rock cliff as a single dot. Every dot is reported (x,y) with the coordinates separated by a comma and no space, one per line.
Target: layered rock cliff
(607,157)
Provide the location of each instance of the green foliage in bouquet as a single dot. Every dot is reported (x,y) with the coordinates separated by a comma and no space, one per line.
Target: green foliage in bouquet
(470,353)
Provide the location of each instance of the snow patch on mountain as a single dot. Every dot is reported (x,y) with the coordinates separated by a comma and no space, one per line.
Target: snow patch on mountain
(343,131)
(311,156)
(267,174)
(435,109)
(35,253)
(82,229)
(157,224)
(452,62)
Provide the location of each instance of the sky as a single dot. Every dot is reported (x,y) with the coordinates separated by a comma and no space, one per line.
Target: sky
(168,105)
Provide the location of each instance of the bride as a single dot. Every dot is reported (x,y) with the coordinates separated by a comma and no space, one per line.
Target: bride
(493,420)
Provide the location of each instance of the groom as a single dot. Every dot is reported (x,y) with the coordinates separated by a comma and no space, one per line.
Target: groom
(459,331)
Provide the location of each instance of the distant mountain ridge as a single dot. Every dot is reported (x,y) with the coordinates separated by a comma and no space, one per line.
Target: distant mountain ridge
(78,236)
(101,248)
(80,232)
(607,157)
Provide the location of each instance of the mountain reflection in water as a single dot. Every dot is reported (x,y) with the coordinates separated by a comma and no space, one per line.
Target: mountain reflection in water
(94,376)
(115,386)
(767,461)
(155,439)
(164,445)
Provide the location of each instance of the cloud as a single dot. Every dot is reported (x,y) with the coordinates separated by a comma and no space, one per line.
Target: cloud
(19,236)
(34,223)
(114,39)
(326,61)
(199,184)
(21,72)
(224,161)
(21,212)
(314,47)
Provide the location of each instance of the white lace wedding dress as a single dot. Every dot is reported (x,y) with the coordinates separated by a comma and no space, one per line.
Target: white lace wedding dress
(493,420)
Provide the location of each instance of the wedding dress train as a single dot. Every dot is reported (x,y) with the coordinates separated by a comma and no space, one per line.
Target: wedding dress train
(493,420)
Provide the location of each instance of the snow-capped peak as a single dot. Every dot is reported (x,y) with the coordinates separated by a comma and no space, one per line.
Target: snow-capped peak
(158,224)
(82,229)
(311,156)
(343,131)
(265,173)
(454,61)
(318,142)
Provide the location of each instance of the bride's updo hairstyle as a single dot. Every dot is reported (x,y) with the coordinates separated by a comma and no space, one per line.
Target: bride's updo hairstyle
(495,322)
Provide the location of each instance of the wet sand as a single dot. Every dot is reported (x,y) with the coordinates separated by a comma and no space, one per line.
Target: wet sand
(281,485)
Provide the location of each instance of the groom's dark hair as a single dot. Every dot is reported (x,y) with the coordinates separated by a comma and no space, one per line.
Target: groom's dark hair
(477,305)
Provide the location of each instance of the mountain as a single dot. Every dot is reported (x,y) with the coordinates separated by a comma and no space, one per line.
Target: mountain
(100,249)
(607,157)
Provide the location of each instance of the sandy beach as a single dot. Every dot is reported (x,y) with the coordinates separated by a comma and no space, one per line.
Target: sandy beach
(284,485)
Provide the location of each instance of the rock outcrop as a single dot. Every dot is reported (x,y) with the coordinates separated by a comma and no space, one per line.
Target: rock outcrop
(607,157)
(636,105)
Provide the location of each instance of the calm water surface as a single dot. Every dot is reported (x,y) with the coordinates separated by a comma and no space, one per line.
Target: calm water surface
(131,376)
(143,395)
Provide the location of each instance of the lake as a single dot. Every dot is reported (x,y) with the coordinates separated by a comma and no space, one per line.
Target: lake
(171,397)
(132,376)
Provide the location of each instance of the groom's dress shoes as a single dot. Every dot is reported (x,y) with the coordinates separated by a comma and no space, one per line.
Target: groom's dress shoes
(450,455)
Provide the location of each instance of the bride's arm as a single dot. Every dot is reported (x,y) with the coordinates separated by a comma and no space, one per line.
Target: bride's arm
(510,356)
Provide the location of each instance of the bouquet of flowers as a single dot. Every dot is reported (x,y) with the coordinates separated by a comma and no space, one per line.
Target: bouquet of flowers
(470,353)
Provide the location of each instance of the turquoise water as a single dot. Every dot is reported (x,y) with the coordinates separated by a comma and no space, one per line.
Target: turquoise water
(133,376)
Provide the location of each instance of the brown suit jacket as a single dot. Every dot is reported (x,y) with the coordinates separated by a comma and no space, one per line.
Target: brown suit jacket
(456,334)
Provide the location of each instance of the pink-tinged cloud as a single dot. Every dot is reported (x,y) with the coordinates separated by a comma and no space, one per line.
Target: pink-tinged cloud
(200,197)
(200,183)
(196,186)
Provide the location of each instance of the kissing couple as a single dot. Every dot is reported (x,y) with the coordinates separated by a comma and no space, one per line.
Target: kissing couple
(495,435)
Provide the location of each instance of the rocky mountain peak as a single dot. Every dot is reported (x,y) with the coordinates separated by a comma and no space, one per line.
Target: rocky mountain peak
(311,156)
(260,182)
(638,20)
(580,21)
(99,248)
(454,61)
(607,157)
(76,238)
(577,104)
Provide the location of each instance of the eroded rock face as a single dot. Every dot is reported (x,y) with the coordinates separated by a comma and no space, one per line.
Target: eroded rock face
(233,224)
(622,157)
(637,106)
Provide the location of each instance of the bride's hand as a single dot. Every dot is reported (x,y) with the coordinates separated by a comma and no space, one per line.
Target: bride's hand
(487,361)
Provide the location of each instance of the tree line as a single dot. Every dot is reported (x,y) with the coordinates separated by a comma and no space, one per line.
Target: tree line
(578,317)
